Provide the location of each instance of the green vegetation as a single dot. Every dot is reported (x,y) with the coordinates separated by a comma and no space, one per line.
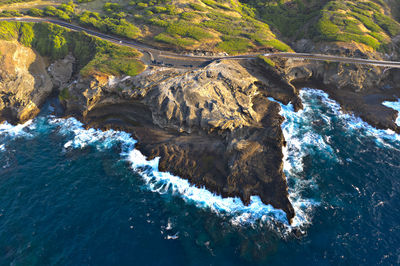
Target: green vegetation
(8,2)
(235,45)
(361,22)
(234,26)
(216,25)
(364,21)
(10,13)
(64,95)
(223,25)
(116,24)
(93,55)
(267,61)
(292,18)
(115,60)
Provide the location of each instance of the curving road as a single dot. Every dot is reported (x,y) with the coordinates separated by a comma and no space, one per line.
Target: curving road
(153,56)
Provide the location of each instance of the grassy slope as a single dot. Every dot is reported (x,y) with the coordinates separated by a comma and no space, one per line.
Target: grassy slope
(94,55)
(236,26)
(226,26)
(368,22)
(223,26)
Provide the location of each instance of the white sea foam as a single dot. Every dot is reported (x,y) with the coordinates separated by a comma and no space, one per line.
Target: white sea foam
(2,147)
(351,122)
(163,182)
(301,141)
(84,137)
(17,130)
(395,106)
(301,138)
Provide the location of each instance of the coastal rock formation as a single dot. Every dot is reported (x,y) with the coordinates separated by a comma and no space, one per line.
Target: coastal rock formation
(214,126)
(360,89)
(24,82)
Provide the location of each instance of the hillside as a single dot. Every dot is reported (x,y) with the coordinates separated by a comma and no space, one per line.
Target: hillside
(234,27)
(368,22)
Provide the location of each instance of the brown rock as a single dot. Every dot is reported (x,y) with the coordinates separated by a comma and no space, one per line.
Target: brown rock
(24,82)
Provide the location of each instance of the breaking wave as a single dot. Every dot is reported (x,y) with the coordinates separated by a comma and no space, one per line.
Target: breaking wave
(163,182)
(306,133)
(22,130)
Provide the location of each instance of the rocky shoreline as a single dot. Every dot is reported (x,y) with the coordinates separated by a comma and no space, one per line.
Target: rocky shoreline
(214,126)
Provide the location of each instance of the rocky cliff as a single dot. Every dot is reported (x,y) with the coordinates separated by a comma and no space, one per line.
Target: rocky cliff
(24,82)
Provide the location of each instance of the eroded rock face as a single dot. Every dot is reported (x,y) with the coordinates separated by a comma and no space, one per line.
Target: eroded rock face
(61,71)
(24,82)
(214,126)
(359,89)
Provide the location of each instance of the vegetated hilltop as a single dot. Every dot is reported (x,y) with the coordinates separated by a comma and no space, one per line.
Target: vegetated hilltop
(223,26)
(231,26)
(371,23)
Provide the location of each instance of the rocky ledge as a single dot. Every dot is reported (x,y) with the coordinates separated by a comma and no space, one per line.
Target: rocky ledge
(214,126)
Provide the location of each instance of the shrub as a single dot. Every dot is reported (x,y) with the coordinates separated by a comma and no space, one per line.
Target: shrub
(8,30)
(142,5)
(278,45)
(26,34)
(185,29)
(34,12)
(174,40)
(112,8)
(10,13)
(388,24)
(267,61)
(197,7)
(234,45)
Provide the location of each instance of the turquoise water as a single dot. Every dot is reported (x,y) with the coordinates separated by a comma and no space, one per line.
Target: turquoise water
(74,196)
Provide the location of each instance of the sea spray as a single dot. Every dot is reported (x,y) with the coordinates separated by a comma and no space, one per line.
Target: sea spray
(300,134)
(349,121)
(163,182)
(301,129)
(20,130)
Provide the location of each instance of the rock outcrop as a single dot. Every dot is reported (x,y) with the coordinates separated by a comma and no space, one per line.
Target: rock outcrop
(24,82)
(61,71)
(214,126)
(359,89)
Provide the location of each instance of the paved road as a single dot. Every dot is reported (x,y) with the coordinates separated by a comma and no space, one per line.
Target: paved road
(153,56)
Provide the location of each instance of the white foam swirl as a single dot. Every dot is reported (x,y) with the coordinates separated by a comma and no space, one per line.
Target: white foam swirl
(20,130)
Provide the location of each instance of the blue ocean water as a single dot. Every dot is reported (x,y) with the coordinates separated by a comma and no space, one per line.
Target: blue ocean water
(85,197)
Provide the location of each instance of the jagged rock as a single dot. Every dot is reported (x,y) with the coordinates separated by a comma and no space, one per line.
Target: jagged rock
(24,82)
(61,71)
(214,126)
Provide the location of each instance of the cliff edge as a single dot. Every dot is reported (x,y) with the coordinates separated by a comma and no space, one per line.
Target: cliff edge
(24,82)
